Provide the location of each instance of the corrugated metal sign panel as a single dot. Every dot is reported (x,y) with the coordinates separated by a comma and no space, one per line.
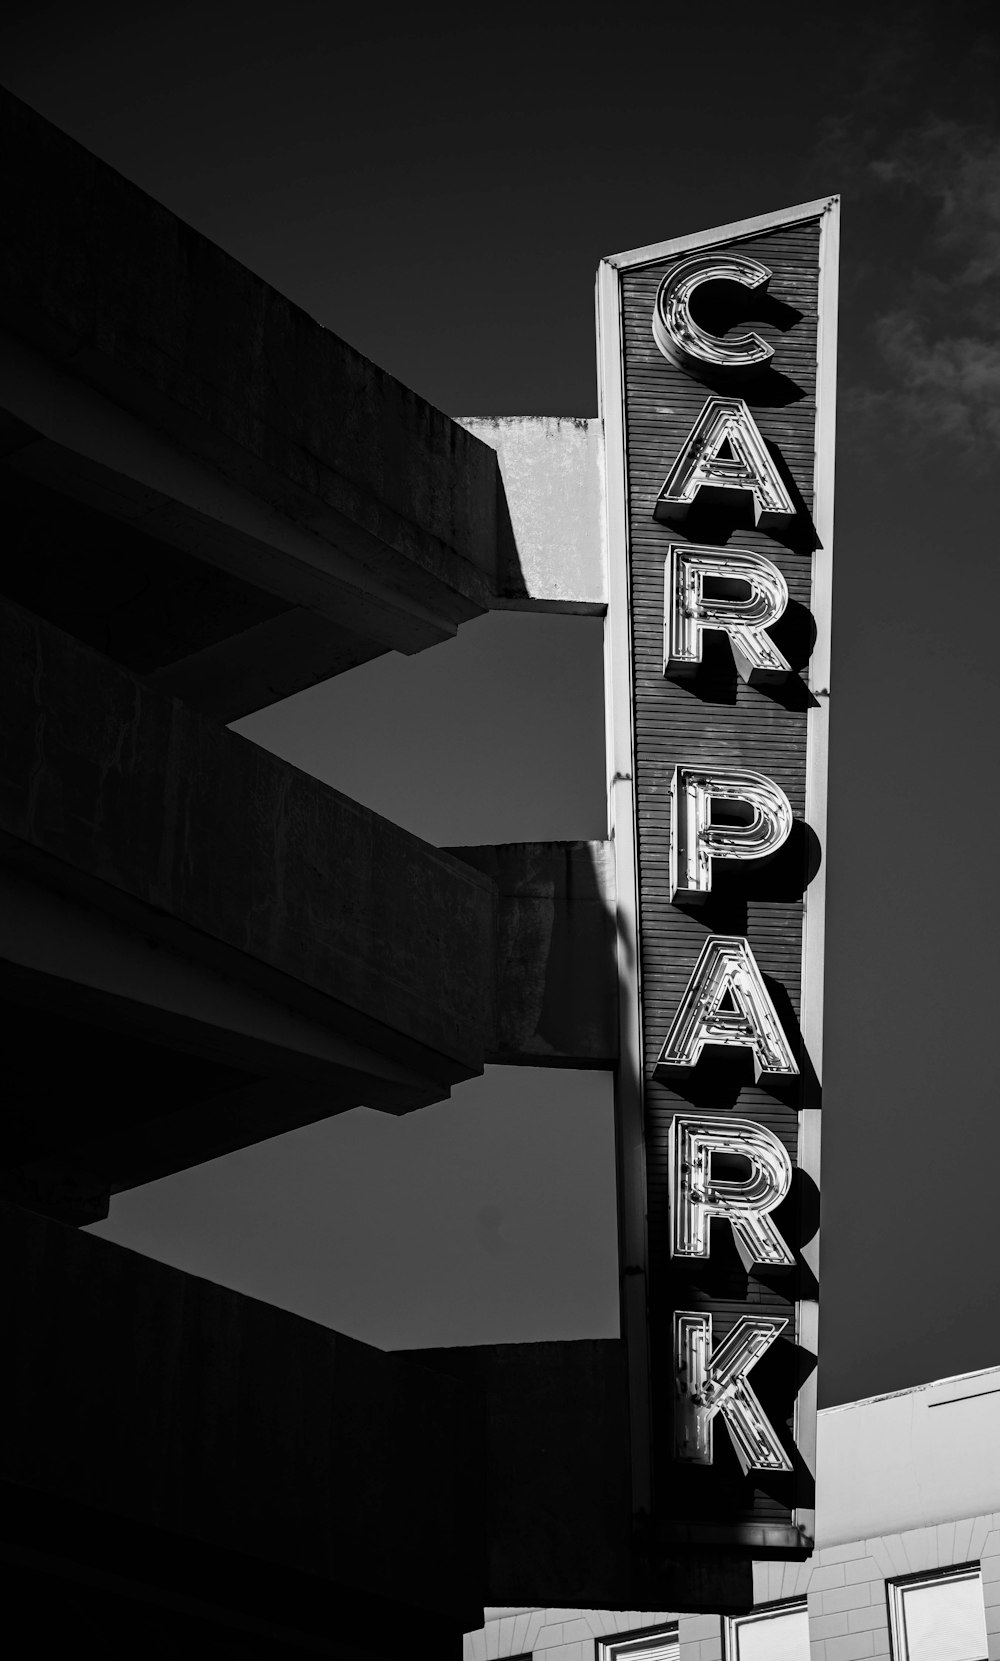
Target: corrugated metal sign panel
(713,718)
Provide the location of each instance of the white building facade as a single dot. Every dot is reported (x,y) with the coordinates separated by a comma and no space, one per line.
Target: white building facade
(906,1566)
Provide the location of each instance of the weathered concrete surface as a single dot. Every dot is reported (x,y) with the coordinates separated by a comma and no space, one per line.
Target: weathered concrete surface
(71,957)
(551,468)
(215,1441)
(173,592)
(557,967)
(183,1061)
(559,1509)
(177,1062)
(559,1522)
(239,860)
(60,433)
(147,373)
(264,951)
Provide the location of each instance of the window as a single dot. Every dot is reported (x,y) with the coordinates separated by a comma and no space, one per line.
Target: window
(646,1646)
(938,1618)
(778,1633)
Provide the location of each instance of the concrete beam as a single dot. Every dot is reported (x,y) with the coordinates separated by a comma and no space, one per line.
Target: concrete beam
(264,951)
(557,966)
(147,375)
(129,801)
(551,467)
(179,1435)
(68,956)
(178,1062)
(194,1062)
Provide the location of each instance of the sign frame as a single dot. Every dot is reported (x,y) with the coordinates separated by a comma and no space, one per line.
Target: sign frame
(623,829)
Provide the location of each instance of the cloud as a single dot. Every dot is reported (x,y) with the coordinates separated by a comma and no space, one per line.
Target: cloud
(939,347)
(945,387)
(957,168)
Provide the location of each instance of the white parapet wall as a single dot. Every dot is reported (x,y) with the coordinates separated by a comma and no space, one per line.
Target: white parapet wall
(898,1462)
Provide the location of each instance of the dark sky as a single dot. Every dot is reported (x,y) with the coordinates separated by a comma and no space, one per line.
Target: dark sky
(439,191)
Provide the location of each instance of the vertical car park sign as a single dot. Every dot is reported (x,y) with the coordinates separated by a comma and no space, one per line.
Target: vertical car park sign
(717,360)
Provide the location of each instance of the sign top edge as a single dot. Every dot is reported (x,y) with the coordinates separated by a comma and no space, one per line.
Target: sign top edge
(723,233)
